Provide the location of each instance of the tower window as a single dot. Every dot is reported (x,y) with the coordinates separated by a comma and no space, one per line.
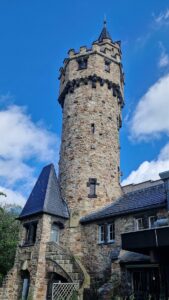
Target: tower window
(30,235)
(54,237)
(93,128)
(92,183)
(107,65)
(82,63)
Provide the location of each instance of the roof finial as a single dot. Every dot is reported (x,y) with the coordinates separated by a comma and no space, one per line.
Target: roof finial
(105,21)
(104,34)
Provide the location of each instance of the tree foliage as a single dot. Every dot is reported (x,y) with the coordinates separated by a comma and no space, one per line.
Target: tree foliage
(9,230)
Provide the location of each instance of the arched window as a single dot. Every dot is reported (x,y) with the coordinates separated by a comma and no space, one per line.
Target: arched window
(54,237)
(25,284)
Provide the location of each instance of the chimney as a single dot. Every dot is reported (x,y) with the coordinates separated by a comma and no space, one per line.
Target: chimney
(165,177)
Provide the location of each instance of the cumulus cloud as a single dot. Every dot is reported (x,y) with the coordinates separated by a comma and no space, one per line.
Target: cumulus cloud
(23,144)
(21,138)
(150,121)
(151,117)
(149,170)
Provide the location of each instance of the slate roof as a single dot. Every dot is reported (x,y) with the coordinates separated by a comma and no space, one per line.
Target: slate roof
(138,200)
(45,196)
(104,34)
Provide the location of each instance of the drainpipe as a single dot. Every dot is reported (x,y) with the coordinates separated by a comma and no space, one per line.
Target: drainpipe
(165,177)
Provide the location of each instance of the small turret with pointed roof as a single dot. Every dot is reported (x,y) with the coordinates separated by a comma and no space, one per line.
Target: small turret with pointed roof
(104,33)
(45,196)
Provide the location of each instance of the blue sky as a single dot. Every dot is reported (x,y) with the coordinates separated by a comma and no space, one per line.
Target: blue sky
(35,37)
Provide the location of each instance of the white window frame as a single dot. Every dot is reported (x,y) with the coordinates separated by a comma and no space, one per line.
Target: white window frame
(101,235)
(149,221)
(108,232)
(137,224)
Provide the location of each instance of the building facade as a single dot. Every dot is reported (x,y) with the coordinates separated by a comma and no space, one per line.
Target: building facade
(83,230)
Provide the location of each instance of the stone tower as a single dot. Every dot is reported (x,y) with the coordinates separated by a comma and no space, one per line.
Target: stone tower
(91,96)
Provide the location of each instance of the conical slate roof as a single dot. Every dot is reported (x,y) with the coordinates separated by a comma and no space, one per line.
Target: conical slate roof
(45,196)
(104,34)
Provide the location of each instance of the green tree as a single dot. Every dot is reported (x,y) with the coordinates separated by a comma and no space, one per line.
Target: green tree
(9,229)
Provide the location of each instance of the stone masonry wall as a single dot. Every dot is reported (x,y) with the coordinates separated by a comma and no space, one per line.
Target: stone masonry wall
(31,258)
(97,257)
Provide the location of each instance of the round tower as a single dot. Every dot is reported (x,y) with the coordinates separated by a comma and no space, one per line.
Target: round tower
(91,96)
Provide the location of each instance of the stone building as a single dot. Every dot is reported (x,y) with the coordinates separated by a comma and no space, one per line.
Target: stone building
(83,233)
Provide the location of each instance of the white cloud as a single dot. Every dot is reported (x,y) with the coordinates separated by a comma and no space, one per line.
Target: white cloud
(12,197)
(162,18)
(164,57)
(23,139)
(151,117)
(149,170)
(150,121)
(23,144)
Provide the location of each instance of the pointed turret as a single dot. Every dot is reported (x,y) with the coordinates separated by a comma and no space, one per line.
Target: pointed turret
(45,196)
(104,33)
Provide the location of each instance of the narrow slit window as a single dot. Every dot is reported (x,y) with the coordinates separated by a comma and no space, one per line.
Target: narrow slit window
(93,128)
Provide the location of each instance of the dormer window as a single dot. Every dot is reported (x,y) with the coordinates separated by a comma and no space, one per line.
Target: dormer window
(30,235)
(82,63)
(92,183)
(107,65)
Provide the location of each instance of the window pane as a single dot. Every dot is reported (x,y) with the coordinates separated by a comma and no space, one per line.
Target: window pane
(101,234)
(152,220)
(139,224)
(111,232)
(54,234)
(25,288)
(92,189)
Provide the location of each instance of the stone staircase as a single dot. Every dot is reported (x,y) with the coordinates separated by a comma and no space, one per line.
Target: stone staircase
(66,261)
